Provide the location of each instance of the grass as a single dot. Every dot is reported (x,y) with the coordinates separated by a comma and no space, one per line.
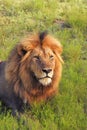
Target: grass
(68,110)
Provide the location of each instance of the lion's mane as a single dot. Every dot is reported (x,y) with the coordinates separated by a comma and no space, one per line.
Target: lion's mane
(18,69)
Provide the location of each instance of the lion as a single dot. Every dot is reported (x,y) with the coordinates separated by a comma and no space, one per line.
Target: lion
(32,71)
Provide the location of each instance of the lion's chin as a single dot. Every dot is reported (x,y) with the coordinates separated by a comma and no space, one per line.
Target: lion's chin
(45,81)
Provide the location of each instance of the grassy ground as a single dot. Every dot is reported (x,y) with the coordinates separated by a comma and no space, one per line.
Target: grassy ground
(67,21)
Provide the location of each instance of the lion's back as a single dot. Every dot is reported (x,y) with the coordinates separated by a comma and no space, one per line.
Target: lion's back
(2,70)
(3,82)
(2,67)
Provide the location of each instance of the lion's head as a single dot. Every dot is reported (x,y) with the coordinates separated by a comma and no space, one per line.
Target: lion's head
(35,63)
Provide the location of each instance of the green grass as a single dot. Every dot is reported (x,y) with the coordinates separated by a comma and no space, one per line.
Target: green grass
(68,110)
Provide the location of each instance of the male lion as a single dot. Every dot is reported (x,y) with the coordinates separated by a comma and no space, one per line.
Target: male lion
(32,71)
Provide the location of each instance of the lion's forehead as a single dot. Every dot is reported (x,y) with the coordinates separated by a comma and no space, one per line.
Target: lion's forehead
(43,51)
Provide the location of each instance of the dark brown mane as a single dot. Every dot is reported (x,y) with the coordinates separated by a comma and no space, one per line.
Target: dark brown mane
(42,35)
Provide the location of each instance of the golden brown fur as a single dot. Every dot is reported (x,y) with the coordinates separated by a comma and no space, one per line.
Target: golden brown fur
(33,69)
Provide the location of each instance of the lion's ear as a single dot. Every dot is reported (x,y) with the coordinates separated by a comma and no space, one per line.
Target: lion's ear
(21,50)
(58,51)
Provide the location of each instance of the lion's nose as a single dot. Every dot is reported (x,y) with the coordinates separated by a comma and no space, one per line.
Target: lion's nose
(46,70)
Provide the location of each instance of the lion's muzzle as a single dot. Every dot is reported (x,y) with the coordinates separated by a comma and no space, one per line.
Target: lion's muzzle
(46,76)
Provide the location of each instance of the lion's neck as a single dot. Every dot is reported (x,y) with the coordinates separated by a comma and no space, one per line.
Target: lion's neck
(38,93)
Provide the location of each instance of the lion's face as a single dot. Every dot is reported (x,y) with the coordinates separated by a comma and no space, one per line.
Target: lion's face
(42,64)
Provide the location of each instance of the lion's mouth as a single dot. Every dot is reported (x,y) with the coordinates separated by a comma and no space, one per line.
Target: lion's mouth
(44,77)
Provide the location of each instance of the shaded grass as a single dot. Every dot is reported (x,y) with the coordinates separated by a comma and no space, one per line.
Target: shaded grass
(68,110)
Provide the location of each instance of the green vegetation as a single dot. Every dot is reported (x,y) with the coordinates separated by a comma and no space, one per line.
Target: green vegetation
(67,21)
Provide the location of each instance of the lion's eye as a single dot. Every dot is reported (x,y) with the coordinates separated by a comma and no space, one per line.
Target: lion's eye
(36,57)
(51,56)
